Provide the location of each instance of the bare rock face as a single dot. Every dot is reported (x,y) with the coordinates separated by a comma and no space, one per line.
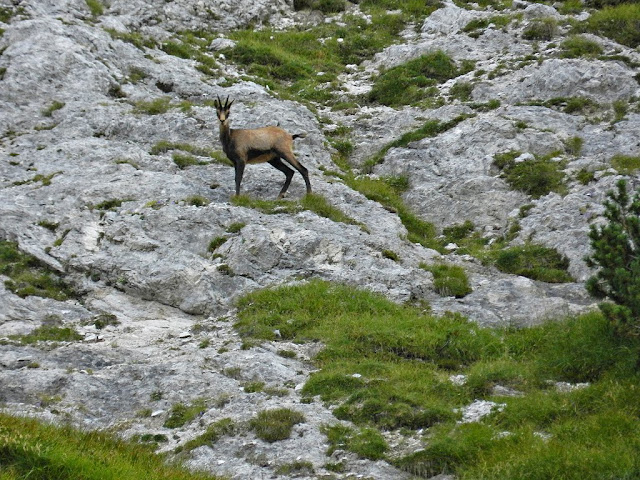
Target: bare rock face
(80,150)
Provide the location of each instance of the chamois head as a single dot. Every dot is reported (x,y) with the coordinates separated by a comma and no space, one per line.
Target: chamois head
(223,110)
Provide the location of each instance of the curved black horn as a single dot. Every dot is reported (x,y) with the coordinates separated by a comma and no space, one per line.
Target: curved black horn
(219,105)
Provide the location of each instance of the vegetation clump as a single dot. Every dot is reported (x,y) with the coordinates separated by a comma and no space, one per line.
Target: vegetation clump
(275,425)
(625,164)
(577,46)
(541,29)
(411,82)
(535,262)
(616,248)
(388,366)
(182,414)
(31,449)
(619,23)
(449,280)
(536,177)
(28,276)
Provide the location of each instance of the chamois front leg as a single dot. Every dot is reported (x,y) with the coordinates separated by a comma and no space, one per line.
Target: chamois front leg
(239,167)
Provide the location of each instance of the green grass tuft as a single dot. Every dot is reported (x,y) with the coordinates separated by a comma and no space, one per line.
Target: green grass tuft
(275,425)
(449,280)
(182,414)
(413,81)
(28,276)
(30,449)
(619,23)
(625,164)
(534,261)
(537,177)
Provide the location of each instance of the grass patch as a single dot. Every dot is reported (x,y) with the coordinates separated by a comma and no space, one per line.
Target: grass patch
(288,62)
(30,449)
(537,177)
(275,425)
(411,82)
(386,192)
(48,333)
(449,280)
(577,46)
(28,276)
(157,106)
(96,7)
(55,105)
(197,201)
(431,128)
(138,40)
(541,29)
(214,432)
(535,262)
(387,366)
(313,202)
(182,414)
(625,164)
(619,23)
(366,442)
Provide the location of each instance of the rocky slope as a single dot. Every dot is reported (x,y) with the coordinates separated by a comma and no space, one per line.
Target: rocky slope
(75,134)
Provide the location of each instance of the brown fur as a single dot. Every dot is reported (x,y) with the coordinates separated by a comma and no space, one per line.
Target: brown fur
(258,145)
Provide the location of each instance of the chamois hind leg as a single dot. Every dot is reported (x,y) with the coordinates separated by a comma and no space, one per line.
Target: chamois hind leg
(279,164)
(290,157)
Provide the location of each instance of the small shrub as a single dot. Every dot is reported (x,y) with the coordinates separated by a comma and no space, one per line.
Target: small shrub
(112,204)
(535,262)
(615,252)
(625,164)
(620,110)
(28,276)
(461,91)
(458,232)
(275,425)
(541,29)
(253,387)
(449,280)
(105,319)
(295,469)
(183,161)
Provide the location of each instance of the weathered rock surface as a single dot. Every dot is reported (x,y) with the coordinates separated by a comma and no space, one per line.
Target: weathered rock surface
(146,261)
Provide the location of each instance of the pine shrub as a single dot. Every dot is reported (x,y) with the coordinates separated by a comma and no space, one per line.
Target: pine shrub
(616,249)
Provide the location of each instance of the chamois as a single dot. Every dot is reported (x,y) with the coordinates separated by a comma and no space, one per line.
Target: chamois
(258,145)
